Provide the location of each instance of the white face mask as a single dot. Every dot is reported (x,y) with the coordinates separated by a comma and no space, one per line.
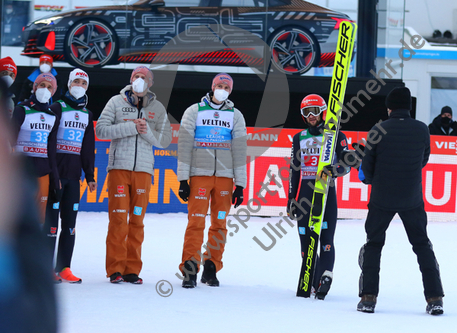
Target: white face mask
(221,94)
(9,10)
(139,86)
(43,95)
(77,91)
(8,80)
(45,68)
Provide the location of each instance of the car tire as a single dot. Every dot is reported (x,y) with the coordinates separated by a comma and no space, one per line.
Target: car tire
(90,44)
(294,50)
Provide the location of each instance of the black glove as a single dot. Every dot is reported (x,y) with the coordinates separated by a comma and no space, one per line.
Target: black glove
(292,210)
(330,170)
(351,158)
(237,196)
(54,195)
(184,190)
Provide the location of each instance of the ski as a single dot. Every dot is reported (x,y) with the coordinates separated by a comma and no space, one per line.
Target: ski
(345,46)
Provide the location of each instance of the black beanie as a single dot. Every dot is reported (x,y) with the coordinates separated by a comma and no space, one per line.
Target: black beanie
(446,109)
(399,98)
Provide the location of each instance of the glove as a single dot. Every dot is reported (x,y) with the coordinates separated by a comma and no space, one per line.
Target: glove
(184,190)
(352,158)
(330,170)
(292,210)
(237,196)
(54,195)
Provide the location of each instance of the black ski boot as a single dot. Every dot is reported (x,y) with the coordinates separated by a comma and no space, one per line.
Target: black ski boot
(190,275)
(367,304)
(209,274)
(324,285)
(435,305)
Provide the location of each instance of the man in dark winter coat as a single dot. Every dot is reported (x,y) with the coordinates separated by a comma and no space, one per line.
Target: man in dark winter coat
(398,149)
(443,124)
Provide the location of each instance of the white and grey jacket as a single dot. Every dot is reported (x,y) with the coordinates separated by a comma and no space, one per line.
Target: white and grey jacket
(130,150)
(230,163)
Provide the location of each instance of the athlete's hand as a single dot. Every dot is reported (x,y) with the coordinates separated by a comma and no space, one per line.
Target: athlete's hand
(292,209)
(237,196)
(330,170)
(141,126)
(92,186)
(184,190)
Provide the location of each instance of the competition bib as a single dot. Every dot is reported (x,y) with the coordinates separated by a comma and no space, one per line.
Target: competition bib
(33,136)
(309,154)
(71,131)
(214,128)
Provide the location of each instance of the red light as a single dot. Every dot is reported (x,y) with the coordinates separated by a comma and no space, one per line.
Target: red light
(50,41)
(338,22)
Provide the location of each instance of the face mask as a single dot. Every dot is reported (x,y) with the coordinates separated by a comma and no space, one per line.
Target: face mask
(139,86)
(8,80)
(446,120)
(9,10)
(77,91)
(45,68)
(43,95)
(221,94)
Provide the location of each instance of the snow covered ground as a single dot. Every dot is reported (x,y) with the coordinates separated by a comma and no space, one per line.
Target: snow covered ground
(257,292)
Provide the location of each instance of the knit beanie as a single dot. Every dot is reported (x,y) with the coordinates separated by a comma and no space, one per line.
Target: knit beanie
(7,64)
(399,98)
(222,78)
(78,74)
(45,77)
(446,109)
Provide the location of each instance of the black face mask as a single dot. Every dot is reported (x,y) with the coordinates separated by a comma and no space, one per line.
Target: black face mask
(445,121)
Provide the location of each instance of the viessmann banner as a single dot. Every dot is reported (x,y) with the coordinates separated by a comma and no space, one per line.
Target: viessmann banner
(268,163)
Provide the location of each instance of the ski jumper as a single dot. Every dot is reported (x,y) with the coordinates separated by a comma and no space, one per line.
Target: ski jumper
(35,129)
(75,151)
(212,155)
(303,166)
(130,168)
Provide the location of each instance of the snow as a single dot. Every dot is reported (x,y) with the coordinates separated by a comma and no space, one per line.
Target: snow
(257,292)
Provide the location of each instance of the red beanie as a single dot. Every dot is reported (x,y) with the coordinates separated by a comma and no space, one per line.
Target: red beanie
(146,72)
(46,57)
(222,78)
(45,77)
(7,64)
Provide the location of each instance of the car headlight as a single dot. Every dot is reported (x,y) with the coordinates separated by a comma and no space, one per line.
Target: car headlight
(50,20)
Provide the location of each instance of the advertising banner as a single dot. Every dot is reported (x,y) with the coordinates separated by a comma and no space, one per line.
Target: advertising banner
(267,167)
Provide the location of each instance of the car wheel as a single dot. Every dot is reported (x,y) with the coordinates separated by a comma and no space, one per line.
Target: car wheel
(90,44)
(294,50)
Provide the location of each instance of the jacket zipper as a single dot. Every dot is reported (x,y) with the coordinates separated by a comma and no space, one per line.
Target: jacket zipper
(136,137)
(215,162)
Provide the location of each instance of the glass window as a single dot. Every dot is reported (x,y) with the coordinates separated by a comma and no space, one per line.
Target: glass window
(444,92)
(15,16)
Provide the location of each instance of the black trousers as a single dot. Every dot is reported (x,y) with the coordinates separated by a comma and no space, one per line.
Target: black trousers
(415,223)
(326,255)
(67,208)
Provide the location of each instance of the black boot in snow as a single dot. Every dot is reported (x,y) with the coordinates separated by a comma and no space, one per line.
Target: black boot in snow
(190,275)
(209,274)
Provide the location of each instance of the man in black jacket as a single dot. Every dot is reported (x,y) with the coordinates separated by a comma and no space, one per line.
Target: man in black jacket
(395,156)
(443,124)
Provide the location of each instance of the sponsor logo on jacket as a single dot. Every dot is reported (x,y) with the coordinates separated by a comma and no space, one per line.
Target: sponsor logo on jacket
(140,191)
(129,109)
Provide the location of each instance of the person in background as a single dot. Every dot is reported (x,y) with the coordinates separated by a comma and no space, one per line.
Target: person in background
(134,121)
(45,66)
(443,123)
(212,152)
(34,128)
(75,151)
(8,73)
(399,150)
(12,24)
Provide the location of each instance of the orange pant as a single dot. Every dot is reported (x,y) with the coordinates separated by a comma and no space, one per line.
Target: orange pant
(128,197)
(42,196)
(202,189)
